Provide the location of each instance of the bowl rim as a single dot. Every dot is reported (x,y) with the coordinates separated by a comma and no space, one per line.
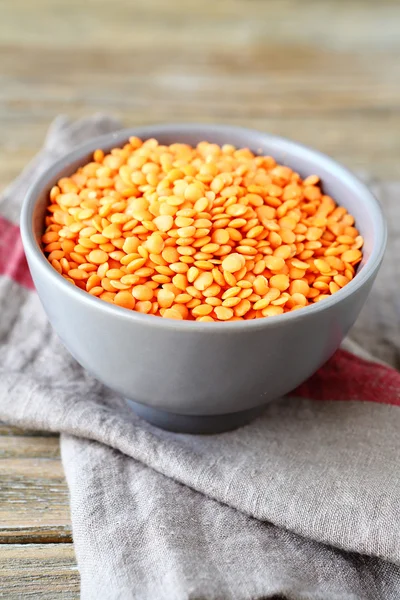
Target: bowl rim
(118,137)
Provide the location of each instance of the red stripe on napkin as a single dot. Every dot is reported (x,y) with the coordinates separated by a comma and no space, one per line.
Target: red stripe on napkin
(348,377)
(12,257)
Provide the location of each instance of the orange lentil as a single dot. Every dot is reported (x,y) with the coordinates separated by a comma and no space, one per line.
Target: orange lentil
(179,267)
(203,281)
(229,278)
(223,313)
(245,293)
(56,255)
(125,299)
(180,281)
(135,264)
(170,254)
(321,285)
(272,294)
(283,299)
(230,302)
(192,273)
(322,265)
(130,279)
(242,308)
(142,292)
(333,287)
(206,233)
(230,292)
(193,303)
(299,299)
(233,262)
(183,298)
(143,306)
(144,272)
(272,311)
(77,274)
(280,282)
(165,298)
(299,286)
(182,309)
(108,297)
(274,263)
(96,291)
(351,256)
(93,281)
(202,310)
(172,313)
(321,297)
(260,285)
(57,265)
(340,280)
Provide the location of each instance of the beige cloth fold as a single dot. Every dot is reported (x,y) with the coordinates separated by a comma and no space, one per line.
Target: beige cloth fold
(303,503)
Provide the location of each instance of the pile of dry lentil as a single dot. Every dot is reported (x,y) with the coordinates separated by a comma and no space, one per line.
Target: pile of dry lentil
(207,233)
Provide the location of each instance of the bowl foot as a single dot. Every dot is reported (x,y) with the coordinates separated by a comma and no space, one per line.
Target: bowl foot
(204,424)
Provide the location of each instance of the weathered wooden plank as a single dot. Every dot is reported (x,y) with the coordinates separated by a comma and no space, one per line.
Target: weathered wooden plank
(34,504)
(45,571)
(42,534)
(154,21)
(10,430)
(29,447)
(277,66)
(33,500)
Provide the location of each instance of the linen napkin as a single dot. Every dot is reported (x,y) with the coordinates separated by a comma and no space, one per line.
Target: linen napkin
(303,503)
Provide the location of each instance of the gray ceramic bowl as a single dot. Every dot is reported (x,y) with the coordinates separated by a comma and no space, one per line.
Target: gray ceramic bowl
(203,377)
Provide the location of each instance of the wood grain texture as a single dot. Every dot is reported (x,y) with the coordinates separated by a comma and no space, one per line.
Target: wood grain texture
(33,492)
(324,73)
(45,571)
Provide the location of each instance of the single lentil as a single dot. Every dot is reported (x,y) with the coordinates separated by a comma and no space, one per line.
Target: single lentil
(204,233)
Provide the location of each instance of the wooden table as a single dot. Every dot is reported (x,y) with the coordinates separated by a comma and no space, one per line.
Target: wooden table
(324,73)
